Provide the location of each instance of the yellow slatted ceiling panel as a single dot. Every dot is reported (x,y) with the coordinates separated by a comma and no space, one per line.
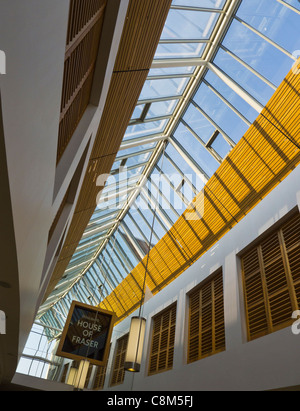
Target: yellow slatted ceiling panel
(139,42)
(123,94)
(126,295)
(144,24)
(90,190)
(262,158)
(84,30)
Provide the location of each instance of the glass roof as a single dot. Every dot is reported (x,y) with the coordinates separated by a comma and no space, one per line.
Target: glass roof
(210,78)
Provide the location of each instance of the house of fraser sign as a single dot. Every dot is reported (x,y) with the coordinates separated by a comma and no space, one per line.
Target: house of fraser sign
(86,334)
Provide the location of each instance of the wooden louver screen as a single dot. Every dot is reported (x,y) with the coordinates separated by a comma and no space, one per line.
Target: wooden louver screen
(206,320)
(118,369)
(163,338)
(271,275)
(99,378)
(85,25)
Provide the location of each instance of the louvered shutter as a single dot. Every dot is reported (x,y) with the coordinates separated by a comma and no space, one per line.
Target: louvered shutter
(163,338)
(206,319)
(99,378)
(271,275)
(118,368)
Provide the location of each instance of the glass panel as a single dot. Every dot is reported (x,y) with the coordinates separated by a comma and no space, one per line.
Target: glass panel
(179,51)
(218,4)
(168,185)
(101,213)
(80,258)
(134,150)
(171,71)
(109,267)
(294,3)
(162,108)
(188,24)
(199,153)
(148,208)
(137,111)
(127,178)
(230,95)
(219,112)
(221,146)
(136,233)
(257,52)
(202,127)
(112,204)
(245,78)
(274,20)
(163,88)
(95,221)
(118,269)
(121,237)
(186,170)
(141,223)
(86,252)
(145,129)
(141,158)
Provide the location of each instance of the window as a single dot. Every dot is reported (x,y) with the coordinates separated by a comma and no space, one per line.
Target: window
(163,338)
(206,319)
(118,368)
(271,276)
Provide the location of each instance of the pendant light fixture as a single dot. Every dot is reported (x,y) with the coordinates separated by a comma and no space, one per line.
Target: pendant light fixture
(135,344)
(80,375)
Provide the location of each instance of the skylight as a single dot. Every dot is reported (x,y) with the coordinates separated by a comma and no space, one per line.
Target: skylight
(215,68)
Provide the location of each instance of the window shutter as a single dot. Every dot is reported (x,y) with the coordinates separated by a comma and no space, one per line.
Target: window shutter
(118,369)
(271,275)
(163,338)
(206,319)
(99,378)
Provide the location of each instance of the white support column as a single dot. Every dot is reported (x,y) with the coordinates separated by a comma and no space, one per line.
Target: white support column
(232,309)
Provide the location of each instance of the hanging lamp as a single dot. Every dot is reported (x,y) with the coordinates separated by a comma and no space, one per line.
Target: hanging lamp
(135,344)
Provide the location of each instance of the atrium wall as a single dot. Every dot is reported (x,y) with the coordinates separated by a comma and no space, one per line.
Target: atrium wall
(268,362)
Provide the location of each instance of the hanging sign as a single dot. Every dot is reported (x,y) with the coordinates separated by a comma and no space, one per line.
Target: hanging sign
(87,334)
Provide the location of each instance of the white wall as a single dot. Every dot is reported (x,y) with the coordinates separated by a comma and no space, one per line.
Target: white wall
(268,362)
(33,38)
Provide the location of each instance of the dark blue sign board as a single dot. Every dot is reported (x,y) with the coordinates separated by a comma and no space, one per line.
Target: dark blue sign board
(87,334)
